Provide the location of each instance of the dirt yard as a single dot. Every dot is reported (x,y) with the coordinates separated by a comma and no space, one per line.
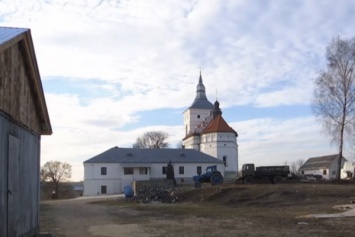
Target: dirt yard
(233,210)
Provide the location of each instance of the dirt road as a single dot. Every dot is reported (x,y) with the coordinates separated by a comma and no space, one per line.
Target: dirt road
(252,211)
(77,217)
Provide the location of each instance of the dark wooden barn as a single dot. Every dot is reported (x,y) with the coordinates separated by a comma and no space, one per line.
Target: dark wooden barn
(23,119)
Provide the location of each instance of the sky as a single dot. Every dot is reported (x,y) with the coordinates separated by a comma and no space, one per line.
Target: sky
(114,69)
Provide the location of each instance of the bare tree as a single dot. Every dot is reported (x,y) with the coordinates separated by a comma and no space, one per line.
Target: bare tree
(295,167)
(56,172)
(154,139)
(334,94)
(43,176)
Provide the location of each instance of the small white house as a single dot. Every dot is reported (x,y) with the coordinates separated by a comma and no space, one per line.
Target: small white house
(348,170)
(325,166)
(110,171)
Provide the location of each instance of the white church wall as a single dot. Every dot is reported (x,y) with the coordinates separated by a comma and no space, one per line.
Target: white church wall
(221,145)
(192,142)
(194,117)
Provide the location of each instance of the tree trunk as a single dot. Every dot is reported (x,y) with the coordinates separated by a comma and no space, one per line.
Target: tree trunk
(56,184)
(340,158)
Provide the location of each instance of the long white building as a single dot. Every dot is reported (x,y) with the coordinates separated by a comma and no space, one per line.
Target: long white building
(110,171)
(208,140)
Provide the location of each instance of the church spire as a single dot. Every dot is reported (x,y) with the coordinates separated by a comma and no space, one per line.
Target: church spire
(200,89)
(201,101)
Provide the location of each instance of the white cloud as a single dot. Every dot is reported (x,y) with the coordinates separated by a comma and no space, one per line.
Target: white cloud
(274,141)
(146,55)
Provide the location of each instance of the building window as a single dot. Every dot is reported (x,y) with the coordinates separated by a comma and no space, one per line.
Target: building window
(324,172)
(225,160)
(181,169)
(128,171)
(199,170)
(103,170)
(143,170)
(198,116)
(103,189)
(164,169)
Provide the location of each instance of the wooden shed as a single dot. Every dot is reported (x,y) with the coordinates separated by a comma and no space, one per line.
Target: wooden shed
(23,119)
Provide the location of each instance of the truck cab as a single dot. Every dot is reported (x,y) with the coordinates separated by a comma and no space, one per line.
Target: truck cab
(248,169)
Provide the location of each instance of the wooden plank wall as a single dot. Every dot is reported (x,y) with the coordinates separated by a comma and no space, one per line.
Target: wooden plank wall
(23,204)
(16,96)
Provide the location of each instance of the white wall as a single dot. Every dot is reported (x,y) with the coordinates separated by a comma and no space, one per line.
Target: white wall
(190,169)
(116,180)
(93,171)
(92,187)
(192,142)
(219,145)
(317,172)
(348,166)
(93,180)
(191,120)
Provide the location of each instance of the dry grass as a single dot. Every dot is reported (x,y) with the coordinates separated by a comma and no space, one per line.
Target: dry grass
(235,210)
(256,210)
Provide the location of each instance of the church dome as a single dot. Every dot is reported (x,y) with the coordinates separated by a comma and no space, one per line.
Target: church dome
(201,101)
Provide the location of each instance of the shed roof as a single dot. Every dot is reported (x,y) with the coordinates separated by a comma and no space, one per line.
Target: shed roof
(9,33)
(133,156)
(320,162)
(10,36)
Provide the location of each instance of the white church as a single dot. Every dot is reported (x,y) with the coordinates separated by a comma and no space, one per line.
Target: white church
(208,140)
(208,132)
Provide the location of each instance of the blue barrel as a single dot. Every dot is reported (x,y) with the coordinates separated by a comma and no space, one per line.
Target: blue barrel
(128,191)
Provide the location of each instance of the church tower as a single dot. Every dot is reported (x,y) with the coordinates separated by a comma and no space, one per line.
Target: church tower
(199,110)
(208,132)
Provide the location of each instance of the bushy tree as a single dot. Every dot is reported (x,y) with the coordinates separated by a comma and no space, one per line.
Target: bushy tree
(334,93)
(153,139)
(56,172)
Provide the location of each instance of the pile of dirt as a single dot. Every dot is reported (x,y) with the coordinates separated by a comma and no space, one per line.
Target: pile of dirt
(268,194)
